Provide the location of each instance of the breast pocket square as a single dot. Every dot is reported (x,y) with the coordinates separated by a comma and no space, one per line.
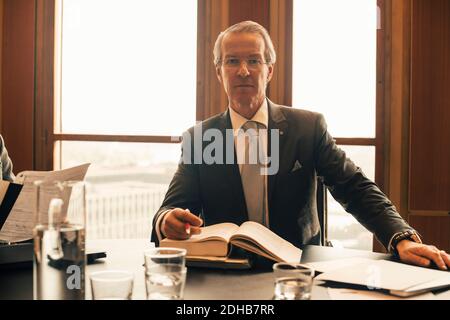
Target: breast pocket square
(297,166)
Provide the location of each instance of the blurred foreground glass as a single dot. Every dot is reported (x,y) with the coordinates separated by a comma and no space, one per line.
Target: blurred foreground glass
(59,240)
(293,281)
(112,285)
(165,273)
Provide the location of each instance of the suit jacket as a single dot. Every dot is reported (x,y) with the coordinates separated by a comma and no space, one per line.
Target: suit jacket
(215,191)
(5,163)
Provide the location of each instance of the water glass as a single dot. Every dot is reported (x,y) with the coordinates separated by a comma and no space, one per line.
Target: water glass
(59,240)
(112,285)
(293,281)
(165,273)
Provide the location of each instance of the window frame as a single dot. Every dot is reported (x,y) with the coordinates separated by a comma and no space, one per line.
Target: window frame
(213,16)
(381,125)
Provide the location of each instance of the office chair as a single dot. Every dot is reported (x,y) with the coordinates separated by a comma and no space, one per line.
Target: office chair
(322,210)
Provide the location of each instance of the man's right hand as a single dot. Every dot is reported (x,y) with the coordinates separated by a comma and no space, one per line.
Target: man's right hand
(174,222)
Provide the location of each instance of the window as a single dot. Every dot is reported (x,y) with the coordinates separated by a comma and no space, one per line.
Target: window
(118,94)
(334,73)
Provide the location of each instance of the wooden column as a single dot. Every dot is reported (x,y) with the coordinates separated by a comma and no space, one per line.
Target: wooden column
(280,29)
(17,86)
(45,93)
(398,59)
(213,17)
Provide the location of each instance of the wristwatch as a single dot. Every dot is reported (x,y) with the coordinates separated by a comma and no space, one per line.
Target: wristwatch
(411,235)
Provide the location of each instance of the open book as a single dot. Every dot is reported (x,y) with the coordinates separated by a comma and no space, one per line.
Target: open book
(19,220)
(215,242)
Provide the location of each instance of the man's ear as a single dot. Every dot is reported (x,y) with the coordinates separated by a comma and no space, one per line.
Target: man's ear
(219,74)
(270,73)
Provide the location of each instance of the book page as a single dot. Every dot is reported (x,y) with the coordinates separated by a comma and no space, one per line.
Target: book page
(20,223)
(212,241)
(267,241)
(3,188)
(222,231)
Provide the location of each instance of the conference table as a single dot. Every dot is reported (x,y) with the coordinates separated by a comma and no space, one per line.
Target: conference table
(201,283)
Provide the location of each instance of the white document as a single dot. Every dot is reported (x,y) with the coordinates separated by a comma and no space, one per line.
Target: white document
(20,223)
(381,274)
(350,294)
(331,265)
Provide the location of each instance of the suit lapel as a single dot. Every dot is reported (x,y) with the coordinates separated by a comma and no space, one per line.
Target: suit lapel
(277,120)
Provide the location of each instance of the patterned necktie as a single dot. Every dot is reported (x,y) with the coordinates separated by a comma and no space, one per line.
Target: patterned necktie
(252,174)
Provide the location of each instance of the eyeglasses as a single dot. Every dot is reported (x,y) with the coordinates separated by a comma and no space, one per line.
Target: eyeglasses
(251,63)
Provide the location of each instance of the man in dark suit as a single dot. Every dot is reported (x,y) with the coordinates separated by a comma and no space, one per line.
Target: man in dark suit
(211,186)
(5,162)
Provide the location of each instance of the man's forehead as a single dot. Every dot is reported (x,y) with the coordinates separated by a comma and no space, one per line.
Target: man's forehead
(243,43)
(249,54)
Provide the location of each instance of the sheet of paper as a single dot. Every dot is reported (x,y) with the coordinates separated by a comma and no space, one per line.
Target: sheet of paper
(3,188)
(386,275)
(440,282)
(221,230)
(328,266)
(350,294)
(20,223)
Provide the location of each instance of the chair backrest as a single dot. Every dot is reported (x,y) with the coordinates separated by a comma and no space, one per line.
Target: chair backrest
(322,210)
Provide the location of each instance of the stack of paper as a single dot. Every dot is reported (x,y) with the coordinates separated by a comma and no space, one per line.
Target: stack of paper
(398,278)
(20,221)
(352,294)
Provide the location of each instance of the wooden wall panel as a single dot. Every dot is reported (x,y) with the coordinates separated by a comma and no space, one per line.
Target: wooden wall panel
(434,229)
(44,85)
(1,49)
(212,19)
(281,24)
(17,86)
(256,10)
(397,101)
(430,106)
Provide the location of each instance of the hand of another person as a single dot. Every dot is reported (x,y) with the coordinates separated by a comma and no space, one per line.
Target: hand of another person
(422,255)
(175,221)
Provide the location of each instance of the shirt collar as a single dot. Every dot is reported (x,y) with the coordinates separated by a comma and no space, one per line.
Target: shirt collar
(261,116)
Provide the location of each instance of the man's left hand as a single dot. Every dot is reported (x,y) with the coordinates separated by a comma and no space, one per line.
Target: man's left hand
(422,255)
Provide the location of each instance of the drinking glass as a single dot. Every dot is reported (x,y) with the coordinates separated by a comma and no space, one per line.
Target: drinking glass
(165,273)
(112,285)
(293,281)
(59,240)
